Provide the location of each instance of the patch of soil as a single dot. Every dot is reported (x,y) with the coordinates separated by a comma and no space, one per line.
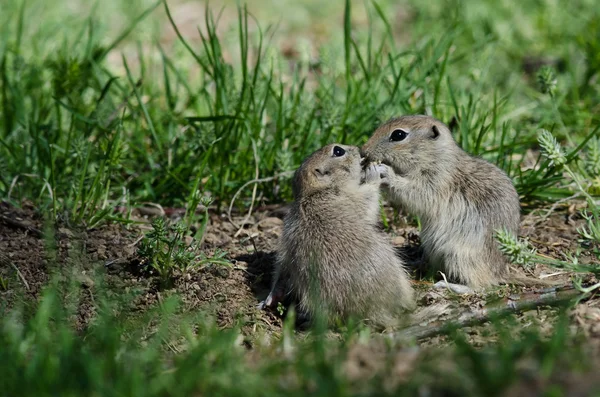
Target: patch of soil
(557,235)
(21,251)
(230,293)
(28,259)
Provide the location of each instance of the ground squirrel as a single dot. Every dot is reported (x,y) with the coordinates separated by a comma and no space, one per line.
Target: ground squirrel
(332,257)
(460,199)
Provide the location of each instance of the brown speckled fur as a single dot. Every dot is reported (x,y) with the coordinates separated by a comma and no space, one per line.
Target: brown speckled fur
(461,199)
(332,258)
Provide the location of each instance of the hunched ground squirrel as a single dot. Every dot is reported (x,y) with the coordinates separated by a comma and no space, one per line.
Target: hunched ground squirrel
(460,199)
(332,257)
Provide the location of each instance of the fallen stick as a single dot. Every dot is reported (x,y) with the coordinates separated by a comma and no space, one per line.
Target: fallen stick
(468,319)
(4,260)
(20,225)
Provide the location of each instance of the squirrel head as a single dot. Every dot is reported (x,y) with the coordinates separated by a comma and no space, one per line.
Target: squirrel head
(334,165)
(409,143)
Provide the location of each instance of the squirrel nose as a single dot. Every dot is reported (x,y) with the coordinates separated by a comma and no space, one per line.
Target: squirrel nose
(363,154)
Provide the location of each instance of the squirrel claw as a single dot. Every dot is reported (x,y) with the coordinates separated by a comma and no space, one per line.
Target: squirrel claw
(375,173)
(268,302)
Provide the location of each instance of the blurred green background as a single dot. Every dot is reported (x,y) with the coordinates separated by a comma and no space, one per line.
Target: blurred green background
(97,96)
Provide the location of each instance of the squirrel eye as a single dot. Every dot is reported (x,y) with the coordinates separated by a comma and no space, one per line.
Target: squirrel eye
(338,151)
(398,135)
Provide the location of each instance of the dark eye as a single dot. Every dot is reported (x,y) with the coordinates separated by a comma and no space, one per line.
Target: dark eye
(398,135)
(338,151)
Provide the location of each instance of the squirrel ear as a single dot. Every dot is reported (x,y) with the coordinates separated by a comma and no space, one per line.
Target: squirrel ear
(436,132)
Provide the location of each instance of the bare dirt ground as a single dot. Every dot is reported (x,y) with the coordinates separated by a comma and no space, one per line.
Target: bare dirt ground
(231,293)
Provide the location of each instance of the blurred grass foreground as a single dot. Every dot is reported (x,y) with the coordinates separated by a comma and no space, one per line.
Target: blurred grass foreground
(109,105)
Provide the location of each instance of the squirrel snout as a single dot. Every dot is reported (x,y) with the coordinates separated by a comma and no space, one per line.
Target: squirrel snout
(363,155)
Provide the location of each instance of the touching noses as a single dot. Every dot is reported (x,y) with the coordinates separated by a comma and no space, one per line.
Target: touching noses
(363,152)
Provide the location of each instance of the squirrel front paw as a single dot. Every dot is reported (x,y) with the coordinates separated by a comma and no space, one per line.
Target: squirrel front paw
(377,173)
(268,302)
(276,295)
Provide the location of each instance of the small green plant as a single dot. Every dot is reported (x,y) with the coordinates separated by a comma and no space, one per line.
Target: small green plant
(218,258)
(591,231)
(3,283)
(164,250)
(280,308)
(593,157)
(520,252)
(547,80)
(552,150)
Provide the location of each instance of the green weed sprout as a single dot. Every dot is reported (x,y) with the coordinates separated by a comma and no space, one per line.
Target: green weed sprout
(163,249)
(520,252)
(593,163)
(218,258)
(547,80)
(552,150)
(280,308)
(517,251)
(591,231)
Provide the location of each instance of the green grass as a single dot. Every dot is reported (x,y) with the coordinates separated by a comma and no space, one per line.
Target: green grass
(78,136)
(43,354)
(99,110)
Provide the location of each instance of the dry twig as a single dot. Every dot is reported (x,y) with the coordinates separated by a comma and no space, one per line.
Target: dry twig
(285,174)
(556,297)
(5,260)
(20,225)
